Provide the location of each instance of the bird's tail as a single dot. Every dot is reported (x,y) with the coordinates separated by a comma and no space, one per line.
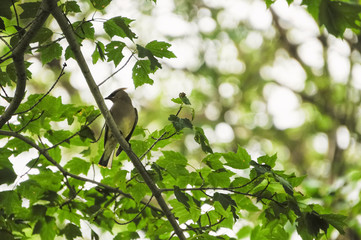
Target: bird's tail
(106,159)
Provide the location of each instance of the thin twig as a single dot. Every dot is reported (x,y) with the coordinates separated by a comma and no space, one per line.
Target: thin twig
(125,223)
(16,14)
(70,137)
(47,93)
(33,119)
(205,227)
(123,66)
(160,138)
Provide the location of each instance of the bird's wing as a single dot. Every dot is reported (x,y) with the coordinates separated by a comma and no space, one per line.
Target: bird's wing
(106,134)
(135,123)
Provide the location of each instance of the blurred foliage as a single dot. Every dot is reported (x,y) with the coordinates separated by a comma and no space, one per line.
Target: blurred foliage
(264,94)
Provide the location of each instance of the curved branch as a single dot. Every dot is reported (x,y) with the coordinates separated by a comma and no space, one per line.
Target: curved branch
(74,46)
(18,57)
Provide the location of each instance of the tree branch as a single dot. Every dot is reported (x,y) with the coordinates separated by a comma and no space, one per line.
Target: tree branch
(70,36)
(18,57)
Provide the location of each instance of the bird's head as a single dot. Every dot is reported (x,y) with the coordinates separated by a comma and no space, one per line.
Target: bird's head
(118,94)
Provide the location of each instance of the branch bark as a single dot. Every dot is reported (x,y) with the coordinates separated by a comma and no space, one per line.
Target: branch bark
(70,36)
(18,57)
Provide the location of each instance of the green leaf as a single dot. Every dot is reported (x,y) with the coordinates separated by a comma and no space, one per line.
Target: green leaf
(220,178)
(315,223)
(100,4)
(295,181)
(269,2)
(260,168)
(177,100)
(224,199)
(180,211)
(17,146)
(239,160)
(313,7)
(58,136)
(5,80)
(245,203)
(5,9)
(71,6)
(184,98)
(69,53)
(86,132)
(160,49)
(98,52)
(10,202)
(83,29)
(51,52)
(7,174)
(30,190)
(212,160)
(143,52)
(119,26)
(94,236)
(138,191)
(43,35)
(175,157)
(180,123)
(126,235)
(244,232)
(336,220)
(71,231)
(181,197)
(285,184)
(269,160)
(337,16)
(114,51)
(174,163)
(48,180)
(201,139)
(141,71)
(46,228)
(29,9)
(77,166)
(11,71)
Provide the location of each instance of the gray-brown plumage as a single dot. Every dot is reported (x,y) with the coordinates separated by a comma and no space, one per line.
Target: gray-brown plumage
(126,118)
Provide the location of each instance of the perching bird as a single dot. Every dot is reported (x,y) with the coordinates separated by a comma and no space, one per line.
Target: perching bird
(126,117)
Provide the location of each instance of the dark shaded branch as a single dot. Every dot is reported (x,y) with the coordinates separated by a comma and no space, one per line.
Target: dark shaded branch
(18,57)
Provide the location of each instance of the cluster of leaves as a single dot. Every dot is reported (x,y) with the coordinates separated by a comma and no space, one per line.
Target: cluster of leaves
(52,201)
(325,12)
(203,199)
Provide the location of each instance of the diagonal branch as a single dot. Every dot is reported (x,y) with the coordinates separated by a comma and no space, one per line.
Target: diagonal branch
(74,45)
(18,57)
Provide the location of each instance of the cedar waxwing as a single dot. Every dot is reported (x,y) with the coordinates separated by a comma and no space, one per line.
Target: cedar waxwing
(126,117)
